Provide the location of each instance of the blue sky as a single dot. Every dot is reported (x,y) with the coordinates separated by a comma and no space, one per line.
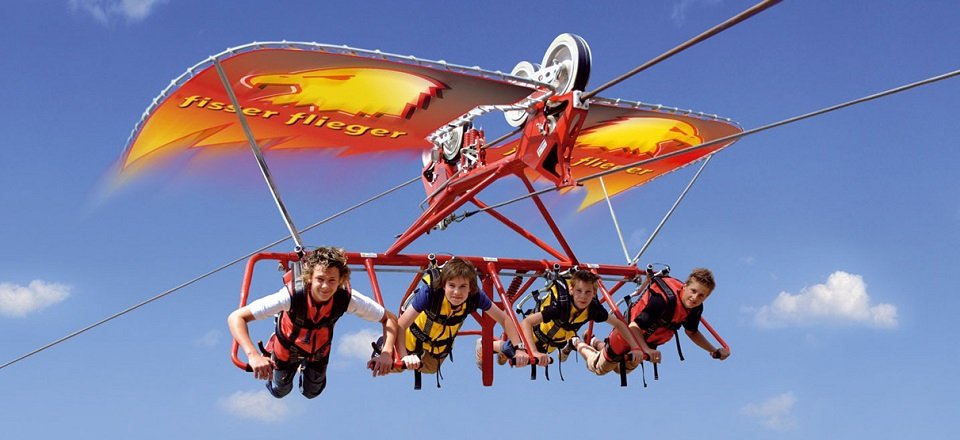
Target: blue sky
(833,240)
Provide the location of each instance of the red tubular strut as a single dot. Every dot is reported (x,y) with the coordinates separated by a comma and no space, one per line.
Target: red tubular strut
(490,267)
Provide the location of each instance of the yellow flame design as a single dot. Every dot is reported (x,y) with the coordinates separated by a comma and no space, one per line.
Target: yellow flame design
(356,91)
(639,135)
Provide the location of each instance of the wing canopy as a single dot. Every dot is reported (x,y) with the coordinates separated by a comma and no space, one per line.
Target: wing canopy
(303,96)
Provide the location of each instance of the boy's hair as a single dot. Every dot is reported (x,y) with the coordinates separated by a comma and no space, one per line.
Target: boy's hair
(326,257)
(457,267)
(702,276)
(584,276)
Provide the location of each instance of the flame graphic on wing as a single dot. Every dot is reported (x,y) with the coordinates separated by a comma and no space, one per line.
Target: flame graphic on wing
(351,90)
(625,140)
(639,136)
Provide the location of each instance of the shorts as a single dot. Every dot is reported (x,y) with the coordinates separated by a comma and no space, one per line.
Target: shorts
(598,364)
(313,378)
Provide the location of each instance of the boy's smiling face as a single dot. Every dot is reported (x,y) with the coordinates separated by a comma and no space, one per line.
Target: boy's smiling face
(456,290)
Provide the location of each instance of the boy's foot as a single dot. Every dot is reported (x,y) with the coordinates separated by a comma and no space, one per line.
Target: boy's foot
(501,358)
(596,343)
(571,346)
(479,354)
(377,347)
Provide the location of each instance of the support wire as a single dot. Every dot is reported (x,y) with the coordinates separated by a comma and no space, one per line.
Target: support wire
(200,277)
(298,242)
(730,138)
(754,10)
(616,224)
(669,212)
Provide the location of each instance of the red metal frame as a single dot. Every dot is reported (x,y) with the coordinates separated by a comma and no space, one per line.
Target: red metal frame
(491,270)
(545,146)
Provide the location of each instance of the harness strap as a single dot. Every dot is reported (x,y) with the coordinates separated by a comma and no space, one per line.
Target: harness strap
(553,330)
(296,352)
(446,343)
(676,336)
(417,379)
(263,350)
(560,369)
(298,287)
(670,294)
(537,302)
(425,332)
(545,339)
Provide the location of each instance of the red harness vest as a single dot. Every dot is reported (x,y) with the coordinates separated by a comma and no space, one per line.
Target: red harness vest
(663,328)
(306,330)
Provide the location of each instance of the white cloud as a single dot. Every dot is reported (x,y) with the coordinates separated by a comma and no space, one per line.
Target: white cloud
(843,299)
(356,345)
(680,8)
(17,301)
(775,412)
(209,339)
(257,405)
(105,10)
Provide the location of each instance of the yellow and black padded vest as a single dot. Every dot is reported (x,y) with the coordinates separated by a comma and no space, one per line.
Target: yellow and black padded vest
(554,334)
(435,328)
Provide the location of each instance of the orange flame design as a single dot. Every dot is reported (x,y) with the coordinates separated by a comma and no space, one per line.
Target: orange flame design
(352,90)
(639,135)
(624,140)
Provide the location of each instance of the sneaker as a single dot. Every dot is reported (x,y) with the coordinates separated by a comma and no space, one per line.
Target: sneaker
(596,343)
(571,346)
(377,347)
(479,350)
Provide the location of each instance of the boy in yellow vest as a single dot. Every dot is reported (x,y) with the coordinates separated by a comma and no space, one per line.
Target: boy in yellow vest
(556,321)
(434,317)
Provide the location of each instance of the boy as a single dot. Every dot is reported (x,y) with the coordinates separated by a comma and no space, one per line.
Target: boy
(555,324)
(433,319)
(304,329)
(667,305)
